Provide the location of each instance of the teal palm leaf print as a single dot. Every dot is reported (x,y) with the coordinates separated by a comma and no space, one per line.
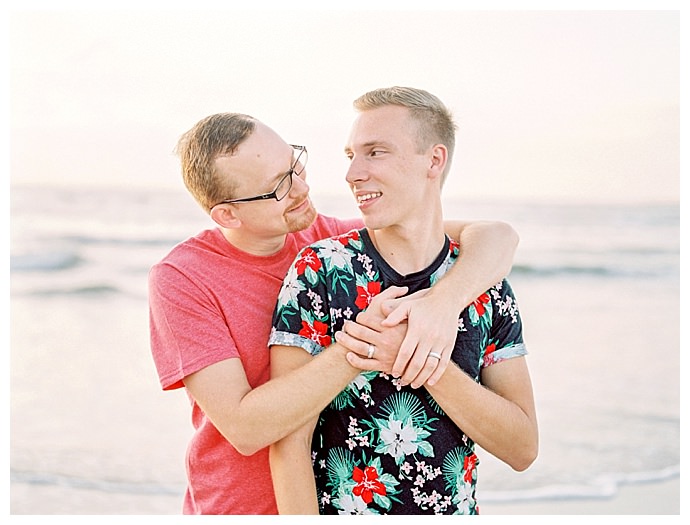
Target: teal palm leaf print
(404,405)
(340,463)
(359,388)
(402,429)
(460,474)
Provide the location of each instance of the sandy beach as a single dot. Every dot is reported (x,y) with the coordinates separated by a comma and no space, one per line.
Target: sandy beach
(101,438)
(660,498)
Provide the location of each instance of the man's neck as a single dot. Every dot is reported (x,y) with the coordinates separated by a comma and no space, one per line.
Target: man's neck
(409,249)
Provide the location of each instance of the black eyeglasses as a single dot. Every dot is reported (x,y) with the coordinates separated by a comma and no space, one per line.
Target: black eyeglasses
(285,183)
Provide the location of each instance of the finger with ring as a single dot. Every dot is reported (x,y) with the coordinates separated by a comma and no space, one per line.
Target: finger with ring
(372,349)
(435,354)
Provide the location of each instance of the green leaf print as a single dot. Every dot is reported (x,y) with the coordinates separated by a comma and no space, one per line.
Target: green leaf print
(434,404)
(340,464)
(311,276)
(307,315)
(338,278)
(362,280)
(404,405)
(425,449)
(356,243)
(454,467)
(383,501)
(358,386)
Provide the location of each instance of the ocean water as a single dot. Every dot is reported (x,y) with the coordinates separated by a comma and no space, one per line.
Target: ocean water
(598,287)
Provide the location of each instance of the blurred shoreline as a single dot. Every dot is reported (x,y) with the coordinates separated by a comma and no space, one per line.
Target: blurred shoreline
(92,433)
(650,498)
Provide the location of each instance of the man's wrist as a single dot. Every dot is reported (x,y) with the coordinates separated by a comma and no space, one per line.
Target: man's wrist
(340,352)
(454,297)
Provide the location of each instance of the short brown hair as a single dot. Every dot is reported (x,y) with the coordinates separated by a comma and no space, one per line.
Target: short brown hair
(434,120)
(198,149)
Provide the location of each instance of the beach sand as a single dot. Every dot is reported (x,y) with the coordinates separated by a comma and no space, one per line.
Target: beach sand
(659,498)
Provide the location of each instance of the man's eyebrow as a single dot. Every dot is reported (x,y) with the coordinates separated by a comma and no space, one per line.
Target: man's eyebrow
(370,144)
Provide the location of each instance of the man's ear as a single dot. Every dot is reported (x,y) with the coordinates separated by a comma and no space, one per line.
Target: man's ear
(224,216)
(439,159)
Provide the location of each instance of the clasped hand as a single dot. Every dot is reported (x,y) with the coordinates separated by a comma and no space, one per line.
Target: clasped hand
(412,337)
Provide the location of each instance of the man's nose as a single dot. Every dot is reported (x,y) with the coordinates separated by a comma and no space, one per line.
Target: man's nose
(356,172)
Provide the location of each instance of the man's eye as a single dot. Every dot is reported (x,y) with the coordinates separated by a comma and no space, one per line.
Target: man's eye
(376,153)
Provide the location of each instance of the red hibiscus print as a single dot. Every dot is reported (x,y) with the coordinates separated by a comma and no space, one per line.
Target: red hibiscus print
(489,357)
(308,259)
(367,484)
(364,296)
(345,239)
(316,333)
(469,465)
(479,303)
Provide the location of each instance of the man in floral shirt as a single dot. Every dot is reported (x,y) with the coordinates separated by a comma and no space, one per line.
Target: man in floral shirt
(383,446)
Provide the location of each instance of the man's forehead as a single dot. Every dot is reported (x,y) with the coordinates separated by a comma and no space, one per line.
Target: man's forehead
(262,155)
(385,126)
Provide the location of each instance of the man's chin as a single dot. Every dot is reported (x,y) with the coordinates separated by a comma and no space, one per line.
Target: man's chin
(304,220)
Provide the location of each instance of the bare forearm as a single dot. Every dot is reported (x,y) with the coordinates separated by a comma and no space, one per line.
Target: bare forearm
(300,387)
(292,473)
(487,249)
(500,426)
(283,404)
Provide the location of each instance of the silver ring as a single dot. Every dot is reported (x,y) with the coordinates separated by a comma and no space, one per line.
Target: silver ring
(435,354)
(372,349)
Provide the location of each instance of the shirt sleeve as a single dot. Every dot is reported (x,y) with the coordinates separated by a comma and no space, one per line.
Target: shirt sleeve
(505,340)
(187,330)
(301,317)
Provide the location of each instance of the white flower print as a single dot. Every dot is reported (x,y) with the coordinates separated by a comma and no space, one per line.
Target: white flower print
(353,505)
(366,264)
(357,439)
(461,325)
(463,498)
(335,255)
(398,441)
(316,303)
(292,286)
(360,381)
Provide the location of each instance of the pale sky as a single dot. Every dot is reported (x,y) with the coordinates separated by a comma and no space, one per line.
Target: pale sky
(549,104)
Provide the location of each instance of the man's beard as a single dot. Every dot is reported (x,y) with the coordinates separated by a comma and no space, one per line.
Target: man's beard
(302,221)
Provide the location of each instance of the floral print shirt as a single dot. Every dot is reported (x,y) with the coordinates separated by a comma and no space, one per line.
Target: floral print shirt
(379,447)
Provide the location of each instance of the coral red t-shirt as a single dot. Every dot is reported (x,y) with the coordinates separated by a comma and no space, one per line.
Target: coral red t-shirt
(208,302)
